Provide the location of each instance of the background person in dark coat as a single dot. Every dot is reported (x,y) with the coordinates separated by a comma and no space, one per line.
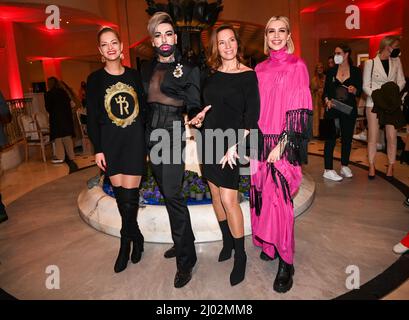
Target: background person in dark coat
(57,103)
(4,110)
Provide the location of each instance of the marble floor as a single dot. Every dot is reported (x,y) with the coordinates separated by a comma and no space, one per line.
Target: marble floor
(45,229)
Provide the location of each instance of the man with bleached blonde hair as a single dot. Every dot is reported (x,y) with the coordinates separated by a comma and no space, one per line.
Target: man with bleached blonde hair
(172,87)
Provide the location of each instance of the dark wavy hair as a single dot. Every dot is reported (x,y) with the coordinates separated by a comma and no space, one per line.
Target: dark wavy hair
(346,49)
(214,61)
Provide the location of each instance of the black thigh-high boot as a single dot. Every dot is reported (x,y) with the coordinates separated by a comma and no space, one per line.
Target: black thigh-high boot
(129,211)
(125,248)
(240,260)
(228,243)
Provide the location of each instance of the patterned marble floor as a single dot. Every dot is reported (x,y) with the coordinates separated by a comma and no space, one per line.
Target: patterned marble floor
(45,229)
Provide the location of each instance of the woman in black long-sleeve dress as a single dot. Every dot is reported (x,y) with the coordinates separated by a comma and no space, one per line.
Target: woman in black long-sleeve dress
(115,103)
(232,92)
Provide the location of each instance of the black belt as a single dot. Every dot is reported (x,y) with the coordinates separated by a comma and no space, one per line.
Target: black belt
(163,116)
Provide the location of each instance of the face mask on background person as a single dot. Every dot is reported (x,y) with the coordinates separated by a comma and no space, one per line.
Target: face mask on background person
(338,59)
(395,53)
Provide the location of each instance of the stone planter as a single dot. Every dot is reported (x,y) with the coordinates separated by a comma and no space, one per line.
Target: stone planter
(199,196)
(192,194)
(208,195)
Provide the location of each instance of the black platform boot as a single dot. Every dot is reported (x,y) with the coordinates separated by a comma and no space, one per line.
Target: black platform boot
(228,243)
(284,279)
(240,260)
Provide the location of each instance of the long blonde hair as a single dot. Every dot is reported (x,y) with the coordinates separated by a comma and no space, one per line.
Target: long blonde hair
(290,43)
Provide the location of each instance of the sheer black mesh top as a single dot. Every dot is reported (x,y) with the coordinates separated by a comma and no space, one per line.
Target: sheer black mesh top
(155,93)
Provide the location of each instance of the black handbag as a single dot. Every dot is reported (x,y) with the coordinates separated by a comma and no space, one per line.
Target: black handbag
(342,107)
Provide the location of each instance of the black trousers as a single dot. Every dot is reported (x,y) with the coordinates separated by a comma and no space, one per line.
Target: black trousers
(169,177)
(347,125)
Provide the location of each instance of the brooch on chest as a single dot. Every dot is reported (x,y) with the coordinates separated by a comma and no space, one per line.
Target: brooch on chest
(178,72)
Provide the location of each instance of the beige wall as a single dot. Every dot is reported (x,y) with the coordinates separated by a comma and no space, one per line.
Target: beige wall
(255,11)
(73,72)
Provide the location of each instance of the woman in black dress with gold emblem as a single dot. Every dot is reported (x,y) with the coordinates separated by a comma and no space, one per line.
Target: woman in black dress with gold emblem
(115,126)
(232,92)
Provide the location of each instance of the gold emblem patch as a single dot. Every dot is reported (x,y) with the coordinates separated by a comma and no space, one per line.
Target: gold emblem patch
(117,96)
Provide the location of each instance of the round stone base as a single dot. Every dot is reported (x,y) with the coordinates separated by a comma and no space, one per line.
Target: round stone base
(101,212)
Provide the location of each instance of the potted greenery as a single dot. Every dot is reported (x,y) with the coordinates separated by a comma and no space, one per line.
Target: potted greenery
(201,189)
(244,187)
(192,189)
(207,190)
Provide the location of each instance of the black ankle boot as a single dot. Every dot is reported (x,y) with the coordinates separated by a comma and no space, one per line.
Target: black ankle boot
(123,256)
(240,260)
(284,279)
(228,243)
(404,157)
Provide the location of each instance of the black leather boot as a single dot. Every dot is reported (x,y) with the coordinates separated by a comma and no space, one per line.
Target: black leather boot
(228,243)
(123,256)
(264,256)
(240,260)
(404,157)
(284,279)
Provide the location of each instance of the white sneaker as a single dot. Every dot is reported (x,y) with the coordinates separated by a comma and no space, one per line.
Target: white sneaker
(400,248)
(56,161)
(360,136)
(346,172)
(332,175)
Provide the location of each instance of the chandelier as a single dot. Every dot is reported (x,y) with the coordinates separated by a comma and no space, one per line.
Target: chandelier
(189,15)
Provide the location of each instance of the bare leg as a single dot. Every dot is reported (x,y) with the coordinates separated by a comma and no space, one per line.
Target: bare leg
(125,181)
(233,210)
(373,134)
(391,136)
(217,202)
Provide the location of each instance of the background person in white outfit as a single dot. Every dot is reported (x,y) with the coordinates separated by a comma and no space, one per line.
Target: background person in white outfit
(385,67)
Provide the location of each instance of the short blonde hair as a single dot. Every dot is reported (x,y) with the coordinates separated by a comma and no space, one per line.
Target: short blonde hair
(290,43)
(157,19)
(387,41)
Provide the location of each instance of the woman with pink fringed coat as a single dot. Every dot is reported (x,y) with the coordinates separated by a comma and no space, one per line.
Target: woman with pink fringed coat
(285,123)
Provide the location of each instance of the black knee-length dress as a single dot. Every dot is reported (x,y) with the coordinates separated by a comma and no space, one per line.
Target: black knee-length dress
(235,104)
(115,110)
